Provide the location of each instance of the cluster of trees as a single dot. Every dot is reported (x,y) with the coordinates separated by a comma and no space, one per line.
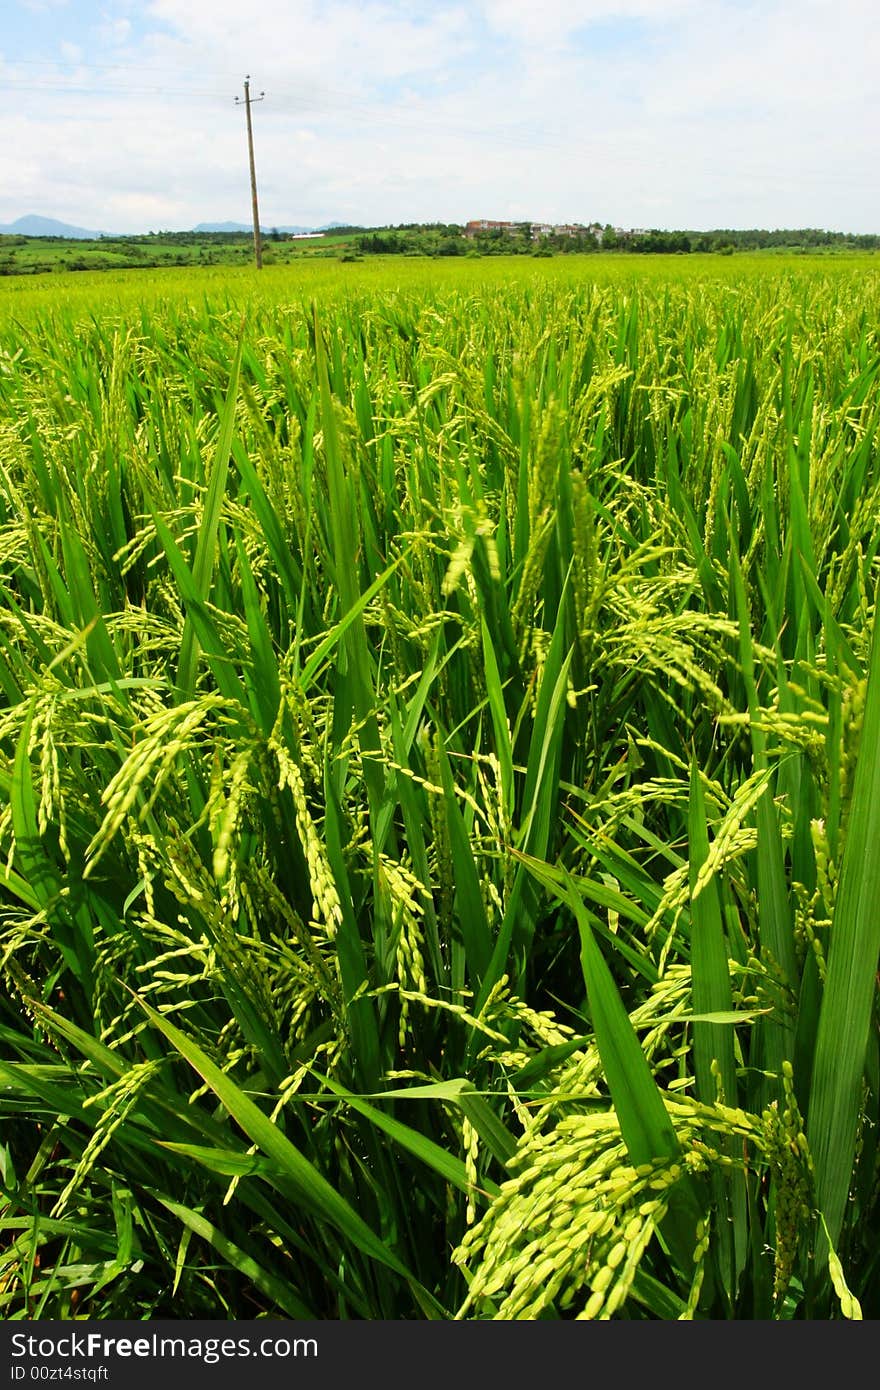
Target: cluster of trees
(414,239)
(446,239)
(727,240)
(759,238)
(181,238)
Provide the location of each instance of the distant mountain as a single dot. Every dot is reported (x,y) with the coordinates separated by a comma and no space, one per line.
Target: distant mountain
(32,225)
(222,227)
(47,226)
(246,227)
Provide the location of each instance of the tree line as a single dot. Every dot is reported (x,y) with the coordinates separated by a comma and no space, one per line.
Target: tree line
(447,239)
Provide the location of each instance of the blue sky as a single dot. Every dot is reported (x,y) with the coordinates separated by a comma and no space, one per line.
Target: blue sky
(667,113)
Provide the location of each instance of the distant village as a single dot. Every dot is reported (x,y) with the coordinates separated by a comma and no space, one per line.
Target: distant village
(537,230)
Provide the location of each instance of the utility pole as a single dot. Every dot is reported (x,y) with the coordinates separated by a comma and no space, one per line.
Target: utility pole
(246,103)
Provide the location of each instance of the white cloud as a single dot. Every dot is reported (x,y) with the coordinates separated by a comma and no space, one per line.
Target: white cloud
(705,112)
(114,32)
(341,40)
(41,6)
(553,21)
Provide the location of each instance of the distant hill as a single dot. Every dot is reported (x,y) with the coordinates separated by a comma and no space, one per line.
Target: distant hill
(245,227)
(31,225)
(47,226)
(222,227)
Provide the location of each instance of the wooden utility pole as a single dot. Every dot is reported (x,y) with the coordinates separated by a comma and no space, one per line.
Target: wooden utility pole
(246,103)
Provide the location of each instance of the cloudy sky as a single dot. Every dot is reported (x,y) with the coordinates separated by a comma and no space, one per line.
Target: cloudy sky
(119,114)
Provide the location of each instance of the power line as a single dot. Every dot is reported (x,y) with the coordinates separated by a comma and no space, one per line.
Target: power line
(10,64)
(98,67)
(330,101)
(333,101)
(62,88)
(317,109)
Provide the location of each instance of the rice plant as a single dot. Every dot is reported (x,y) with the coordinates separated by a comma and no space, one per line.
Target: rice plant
(439,748)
